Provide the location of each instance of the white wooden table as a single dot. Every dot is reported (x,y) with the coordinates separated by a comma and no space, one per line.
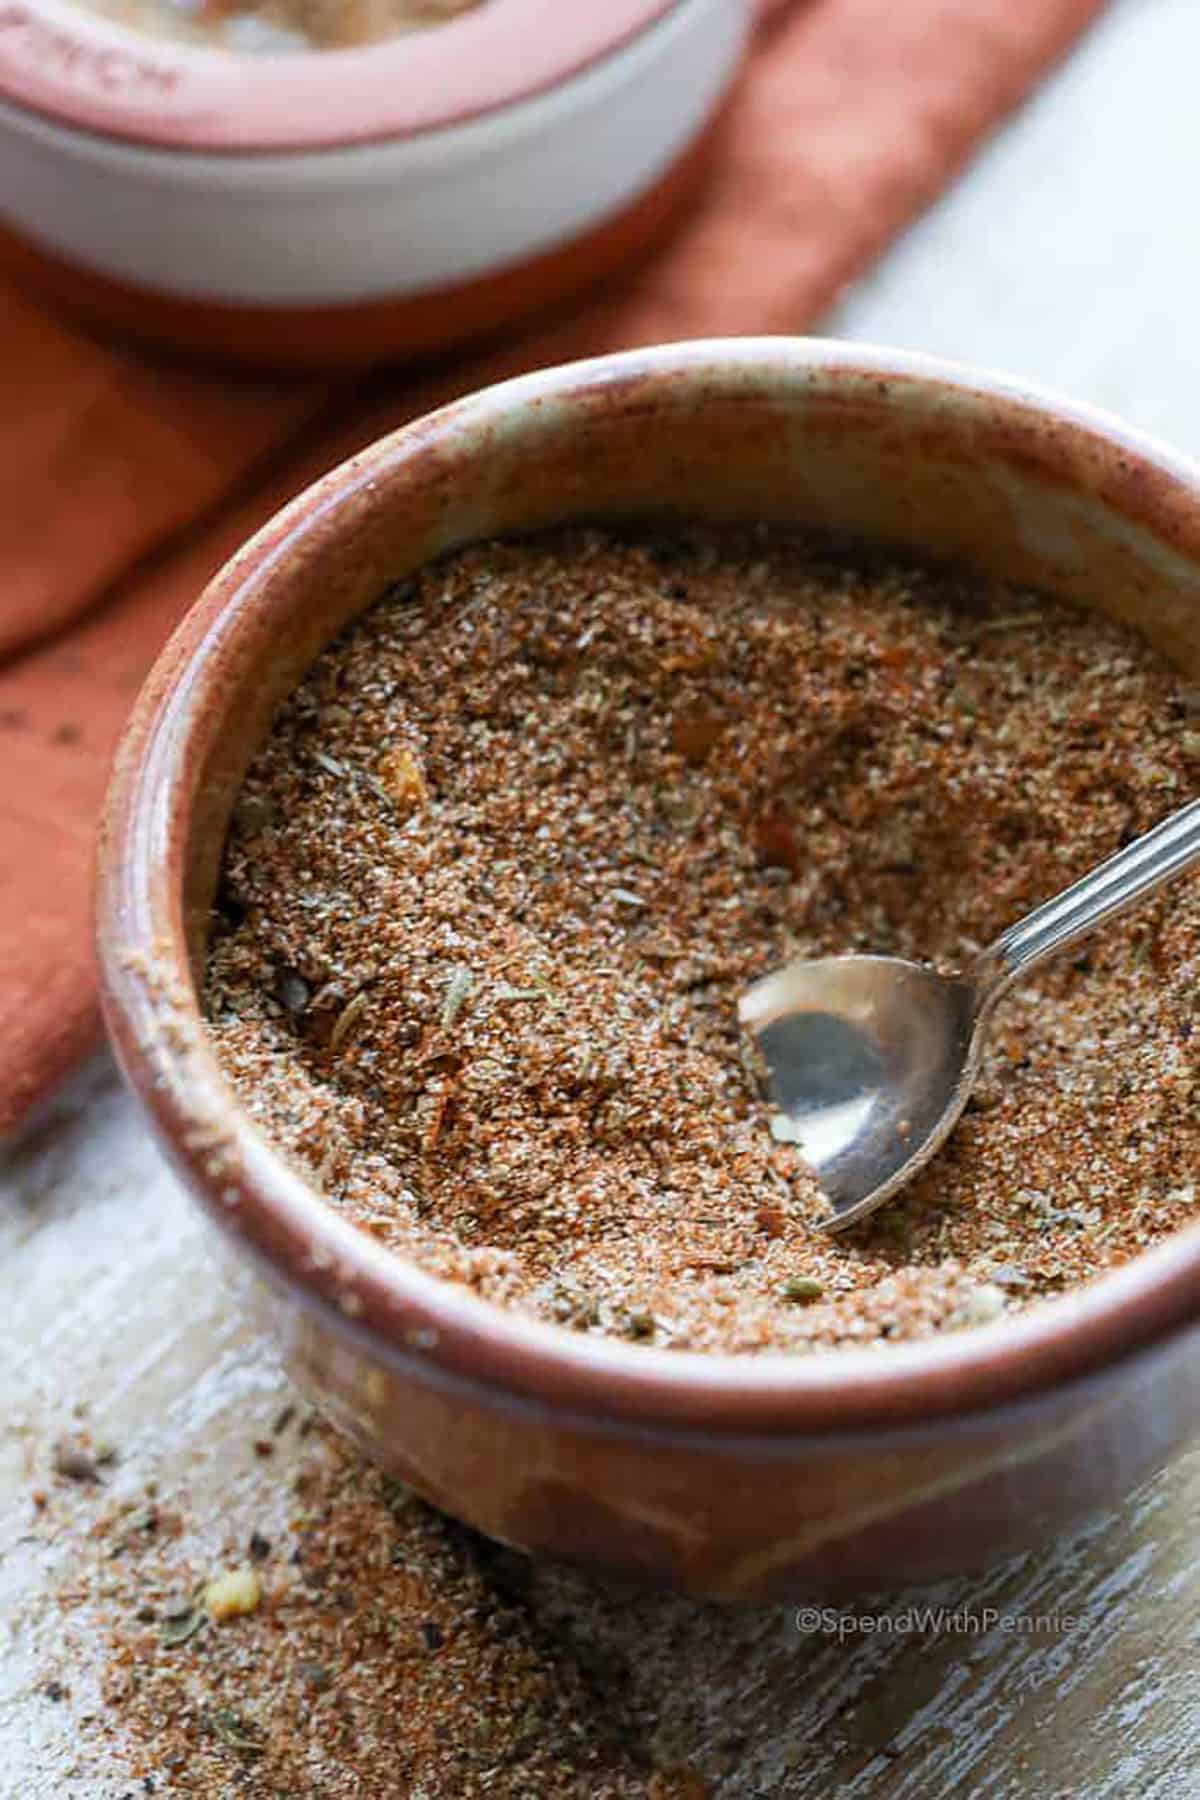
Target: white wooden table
(1069,254)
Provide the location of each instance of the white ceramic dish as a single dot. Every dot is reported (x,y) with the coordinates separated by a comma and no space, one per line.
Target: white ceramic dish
(434,184)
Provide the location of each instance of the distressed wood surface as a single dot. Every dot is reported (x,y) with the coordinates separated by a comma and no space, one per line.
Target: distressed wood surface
(1068,255)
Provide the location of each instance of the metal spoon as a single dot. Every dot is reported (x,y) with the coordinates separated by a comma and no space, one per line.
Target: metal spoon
(872,1058)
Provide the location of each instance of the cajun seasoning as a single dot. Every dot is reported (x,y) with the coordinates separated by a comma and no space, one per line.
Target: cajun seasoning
(390,1652)
(527,830)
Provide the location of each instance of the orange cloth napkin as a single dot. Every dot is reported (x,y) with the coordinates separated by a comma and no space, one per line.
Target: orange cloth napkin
(128,480)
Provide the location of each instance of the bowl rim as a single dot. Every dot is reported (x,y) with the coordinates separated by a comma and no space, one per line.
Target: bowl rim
(401,1313)
(72,67)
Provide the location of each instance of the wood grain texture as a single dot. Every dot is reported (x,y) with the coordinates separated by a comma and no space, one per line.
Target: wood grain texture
(1068,255)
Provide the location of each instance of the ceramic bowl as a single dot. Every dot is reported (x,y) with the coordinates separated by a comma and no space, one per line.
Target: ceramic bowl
(330,207)
(734,1476)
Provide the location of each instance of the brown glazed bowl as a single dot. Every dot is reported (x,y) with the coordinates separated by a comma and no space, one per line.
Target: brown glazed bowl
(740,1477)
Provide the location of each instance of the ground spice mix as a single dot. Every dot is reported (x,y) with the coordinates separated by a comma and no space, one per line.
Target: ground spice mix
(530,826)
(383,1652)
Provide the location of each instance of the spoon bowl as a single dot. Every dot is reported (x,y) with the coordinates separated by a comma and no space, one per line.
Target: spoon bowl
(872,1060)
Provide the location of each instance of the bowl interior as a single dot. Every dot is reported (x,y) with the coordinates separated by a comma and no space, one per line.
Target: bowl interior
(949,473)
(870,444)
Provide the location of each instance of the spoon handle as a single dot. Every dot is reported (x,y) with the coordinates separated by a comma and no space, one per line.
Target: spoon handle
(1170,849)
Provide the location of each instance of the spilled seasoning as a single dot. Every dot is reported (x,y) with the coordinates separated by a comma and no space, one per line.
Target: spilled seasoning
(387,1652)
